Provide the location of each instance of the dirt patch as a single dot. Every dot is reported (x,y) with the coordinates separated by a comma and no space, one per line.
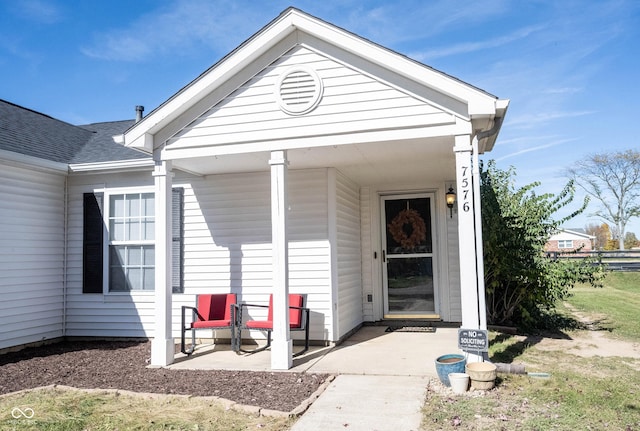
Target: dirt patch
(593,341)
(123,365)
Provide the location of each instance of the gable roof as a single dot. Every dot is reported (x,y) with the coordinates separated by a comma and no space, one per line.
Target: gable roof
(566,233)
(31,133)
(293,28)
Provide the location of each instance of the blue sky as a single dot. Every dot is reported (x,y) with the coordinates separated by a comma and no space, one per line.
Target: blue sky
(570,68)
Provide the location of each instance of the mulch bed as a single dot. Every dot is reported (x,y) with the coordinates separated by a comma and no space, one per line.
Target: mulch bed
(123,365)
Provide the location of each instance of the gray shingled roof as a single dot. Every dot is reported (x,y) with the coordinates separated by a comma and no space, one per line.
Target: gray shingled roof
(32,133)
(101,146)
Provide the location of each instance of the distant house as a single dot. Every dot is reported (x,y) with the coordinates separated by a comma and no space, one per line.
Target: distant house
(309,160)
(568,240)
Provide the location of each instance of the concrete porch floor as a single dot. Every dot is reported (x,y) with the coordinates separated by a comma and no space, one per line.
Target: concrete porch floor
(369,351)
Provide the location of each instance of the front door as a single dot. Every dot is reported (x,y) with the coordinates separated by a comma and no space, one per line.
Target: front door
(407,256)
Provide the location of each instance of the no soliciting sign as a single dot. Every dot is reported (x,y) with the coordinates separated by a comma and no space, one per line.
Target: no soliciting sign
(473,340)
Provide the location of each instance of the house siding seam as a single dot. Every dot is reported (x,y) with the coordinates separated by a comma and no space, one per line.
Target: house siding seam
(31,255)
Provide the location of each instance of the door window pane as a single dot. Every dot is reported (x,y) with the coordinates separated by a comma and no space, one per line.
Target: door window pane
(410,284)
(408,226)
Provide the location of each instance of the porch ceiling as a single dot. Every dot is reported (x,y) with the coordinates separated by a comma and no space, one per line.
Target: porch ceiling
(423,160)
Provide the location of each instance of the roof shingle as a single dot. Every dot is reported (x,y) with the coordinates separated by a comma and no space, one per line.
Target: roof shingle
(32,133)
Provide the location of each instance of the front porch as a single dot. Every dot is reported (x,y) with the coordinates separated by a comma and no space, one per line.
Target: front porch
(314,162)
(369,351)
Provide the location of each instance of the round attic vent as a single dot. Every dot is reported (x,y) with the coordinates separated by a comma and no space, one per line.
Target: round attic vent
(298,90)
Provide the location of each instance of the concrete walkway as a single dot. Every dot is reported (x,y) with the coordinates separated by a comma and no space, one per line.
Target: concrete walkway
(367,403)
(381,377)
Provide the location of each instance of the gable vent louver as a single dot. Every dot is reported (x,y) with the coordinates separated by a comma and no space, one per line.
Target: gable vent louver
(298,90)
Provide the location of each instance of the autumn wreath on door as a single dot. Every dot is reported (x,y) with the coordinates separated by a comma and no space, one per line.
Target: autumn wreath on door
(418,230)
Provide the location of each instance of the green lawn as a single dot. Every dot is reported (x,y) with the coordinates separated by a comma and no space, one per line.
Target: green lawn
(595,393)
(617,303)
(581,394)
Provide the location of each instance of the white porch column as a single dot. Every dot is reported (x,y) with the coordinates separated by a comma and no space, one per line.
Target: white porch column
(162,345)
(467,236)
(282,345)
(482,300)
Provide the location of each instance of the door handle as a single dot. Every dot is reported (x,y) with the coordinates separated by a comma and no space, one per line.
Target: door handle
(384,256)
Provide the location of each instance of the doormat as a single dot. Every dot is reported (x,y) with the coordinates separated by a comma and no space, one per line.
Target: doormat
(410,329)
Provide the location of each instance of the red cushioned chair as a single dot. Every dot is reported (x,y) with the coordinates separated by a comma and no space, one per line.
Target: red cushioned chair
(211,312)
(298,321)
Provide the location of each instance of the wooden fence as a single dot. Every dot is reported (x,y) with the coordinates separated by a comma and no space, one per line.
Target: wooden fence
(616,260)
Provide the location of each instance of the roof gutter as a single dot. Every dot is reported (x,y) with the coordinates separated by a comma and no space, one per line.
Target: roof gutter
(490,135)
(114,166)
(497,123)
(17,159)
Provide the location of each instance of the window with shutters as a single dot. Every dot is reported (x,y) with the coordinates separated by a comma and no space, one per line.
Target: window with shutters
(125,260)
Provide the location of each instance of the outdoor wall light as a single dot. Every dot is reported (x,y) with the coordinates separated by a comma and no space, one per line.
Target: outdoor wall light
(451,199)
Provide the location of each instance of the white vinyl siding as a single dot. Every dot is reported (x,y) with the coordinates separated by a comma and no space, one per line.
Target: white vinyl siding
(228,240)
(31,255)
(369,265)
(349,268)
(121,314)
(227,248)
(366,102)
(452,302)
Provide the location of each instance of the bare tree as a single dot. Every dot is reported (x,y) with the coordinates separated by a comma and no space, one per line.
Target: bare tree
(614,180)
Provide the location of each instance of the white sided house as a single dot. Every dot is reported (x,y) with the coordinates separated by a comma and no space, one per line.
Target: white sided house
(308,160)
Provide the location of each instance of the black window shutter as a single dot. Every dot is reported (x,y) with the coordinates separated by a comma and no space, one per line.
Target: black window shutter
(92,249)
(177,244)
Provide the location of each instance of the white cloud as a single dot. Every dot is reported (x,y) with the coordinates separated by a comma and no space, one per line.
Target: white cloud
(536,148)
(394,23)
(465,48)
(175,29)
(524,140)
(38,11)
(535,119)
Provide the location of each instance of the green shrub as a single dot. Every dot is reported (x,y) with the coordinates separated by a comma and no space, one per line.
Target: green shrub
(521,280)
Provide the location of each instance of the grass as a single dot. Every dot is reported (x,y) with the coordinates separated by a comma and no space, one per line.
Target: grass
(594,393)
(70,410)
(582,393)
(617,302)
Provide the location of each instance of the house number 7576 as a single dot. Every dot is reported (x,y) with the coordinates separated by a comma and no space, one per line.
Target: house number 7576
(465,188)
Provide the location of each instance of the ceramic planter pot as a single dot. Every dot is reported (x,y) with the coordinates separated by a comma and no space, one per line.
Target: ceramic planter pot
(446,364)
(482,374)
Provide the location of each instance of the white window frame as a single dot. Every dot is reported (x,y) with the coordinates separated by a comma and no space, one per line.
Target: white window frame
(565,244)
(108,193)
